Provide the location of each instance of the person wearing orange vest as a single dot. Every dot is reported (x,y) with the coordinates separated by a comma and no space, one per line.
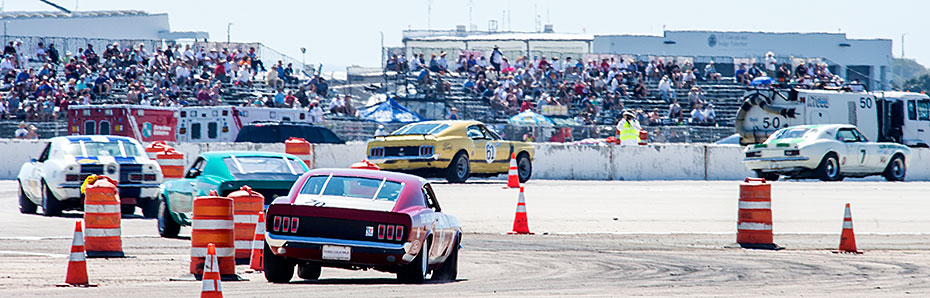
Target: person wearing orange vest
(628,129)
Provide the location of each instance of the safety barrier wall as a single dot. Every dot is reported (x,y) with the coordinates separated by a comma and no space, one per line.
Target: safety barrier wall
(552,160)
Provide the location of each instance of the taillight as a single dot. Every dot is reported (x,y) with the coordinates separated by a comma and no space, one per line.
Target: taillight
(376,152)
(426,150)
(277,223)
(295,223)
(72,177)
(754,154)
(399,233)
(380,231)
(135,177)
(285,224)
(794,152)
(390,232)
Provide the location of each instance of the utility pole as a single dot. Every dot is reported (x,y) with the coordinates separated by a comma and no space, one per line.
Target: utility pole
(902,45)
(429,16)
(228,27)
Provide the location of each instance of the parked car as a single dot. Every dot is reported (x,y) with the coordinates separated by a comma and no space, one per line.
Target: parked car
(53,180)
(360,219)
(828,152)
(280,131)
(268,173)
(452,149)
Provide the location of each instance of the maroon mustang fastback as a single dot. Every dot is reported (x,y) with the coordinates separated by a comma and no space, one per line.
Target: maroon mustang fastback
(360,219)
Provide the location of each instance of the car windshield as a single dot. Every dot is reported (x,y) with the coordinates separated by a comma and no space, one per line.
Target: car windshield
(791,133)
(263,167)
(353,187)
(421,129)
(91,148)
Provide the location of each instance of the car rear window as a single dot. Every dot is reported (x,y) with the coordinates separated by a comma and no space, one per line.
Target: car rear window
(252,167)
(421,129)
(791,133)
(353,187)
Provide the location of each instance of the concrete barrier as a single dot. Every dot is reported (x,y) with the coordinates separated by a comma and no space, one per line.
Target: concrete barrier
(562,161)
(552,160)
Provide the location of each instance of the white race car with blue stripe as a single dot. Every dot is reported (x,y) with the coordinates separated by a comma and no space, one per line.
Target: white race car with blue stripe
(53,180)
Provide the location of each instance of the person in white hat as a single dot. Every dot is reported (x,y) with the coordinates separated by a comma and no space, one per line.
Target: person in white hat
(628,129)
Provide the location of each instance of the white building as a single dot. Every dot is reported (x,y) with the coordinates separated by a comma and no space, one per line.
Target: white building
(116,24)
(868,60)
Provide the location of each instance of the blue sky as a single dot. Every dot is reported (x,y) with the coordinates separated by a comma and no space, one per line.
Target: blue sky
(344,32)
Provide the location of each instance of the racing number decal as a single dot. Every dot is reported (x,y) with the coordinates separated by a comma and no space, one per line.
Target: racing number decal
(489,152)
(775,122)
(862,160)
(865,102)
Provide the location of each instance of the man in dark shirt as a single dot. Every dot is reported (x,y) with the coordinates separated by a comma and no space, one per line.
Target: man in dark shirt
(9,50)
(53,55)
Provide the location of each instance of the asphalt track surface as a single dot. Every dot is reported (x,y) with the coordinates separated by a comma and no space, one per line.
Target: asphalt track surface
(649,238)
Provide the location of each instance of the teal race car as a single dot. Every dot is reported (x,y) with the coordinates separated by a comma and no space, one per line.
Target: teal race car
(269,173)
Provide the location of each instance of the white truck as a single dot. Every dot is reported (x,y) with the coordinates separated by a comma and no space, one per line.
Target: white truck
(884,116)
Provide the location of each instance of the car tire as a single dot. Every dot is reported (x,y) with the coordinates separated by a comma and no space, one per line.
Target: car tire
(524,167)
(51,206)
(167,227)
(459,169)
(448,272)
(149,207)
(767,176)
(126,209)
(415,272)
(26,206)
(896,169)
(309,271)
(277,268)
(829,168)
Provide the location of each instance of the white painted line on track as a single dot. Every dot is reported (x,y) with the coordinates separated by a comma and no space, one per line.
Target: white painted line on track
(26,253)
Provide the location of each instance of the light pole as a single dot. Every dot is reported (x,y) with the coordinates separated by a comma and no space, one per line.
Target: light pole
(303,60)
(228,26)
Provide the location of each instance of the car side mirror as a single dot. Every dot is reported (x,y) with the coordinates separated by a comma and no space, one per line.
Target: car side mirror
(193,173)
(33,160)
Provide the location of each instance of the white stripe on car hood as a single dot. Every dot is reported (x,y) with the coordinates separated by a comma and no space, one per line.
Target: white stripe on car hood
(344,202)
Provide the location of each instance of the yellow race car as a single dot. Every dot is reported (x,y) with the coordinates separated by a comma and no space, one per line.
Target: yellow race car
(453,149)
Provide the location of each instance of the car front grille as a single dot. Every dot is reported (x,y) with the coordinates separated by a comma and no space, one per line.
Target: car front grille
(129,173)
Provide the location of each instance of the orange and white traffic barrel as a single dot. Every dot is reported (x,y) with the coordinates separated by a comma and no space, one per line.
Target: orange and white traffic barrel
(643,137)
(754,224)
(212,222)
(301,148)
(258,245)
(172,164)
(153,149)
(247,204)
(102,219)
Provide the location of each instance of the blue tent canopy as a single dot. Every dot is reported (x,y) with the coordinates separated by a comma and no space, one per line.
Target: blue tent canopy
(389,111)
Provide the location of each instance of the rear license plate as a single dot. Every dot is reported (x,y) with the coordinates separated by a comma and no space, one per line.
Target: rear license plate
(339,253)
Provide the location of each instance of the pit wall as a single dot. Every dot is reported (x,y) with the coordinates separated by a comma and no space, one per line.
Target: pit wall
(552,160)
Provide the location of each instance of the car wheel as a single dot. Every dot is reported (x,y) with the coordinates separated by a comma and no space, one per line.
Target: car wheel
(524,167)
(127,209)
(829,168)
(896,169)
(26,206)
(449,270)
(149,207)
(415,272)
(309,271)
(277,268)
(458,170)
(767,176)
(51,206)
(167,227)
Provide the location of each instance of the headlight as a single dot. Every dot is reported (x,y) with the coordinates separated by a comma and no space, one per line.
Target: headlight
(111,169)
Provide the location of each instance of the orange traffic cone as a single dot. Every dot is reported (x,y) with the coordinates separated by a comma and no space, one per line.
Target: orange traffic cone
(513,181)
(77,264)
(258,244)
(848,238)
(520,224)
(211,275)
